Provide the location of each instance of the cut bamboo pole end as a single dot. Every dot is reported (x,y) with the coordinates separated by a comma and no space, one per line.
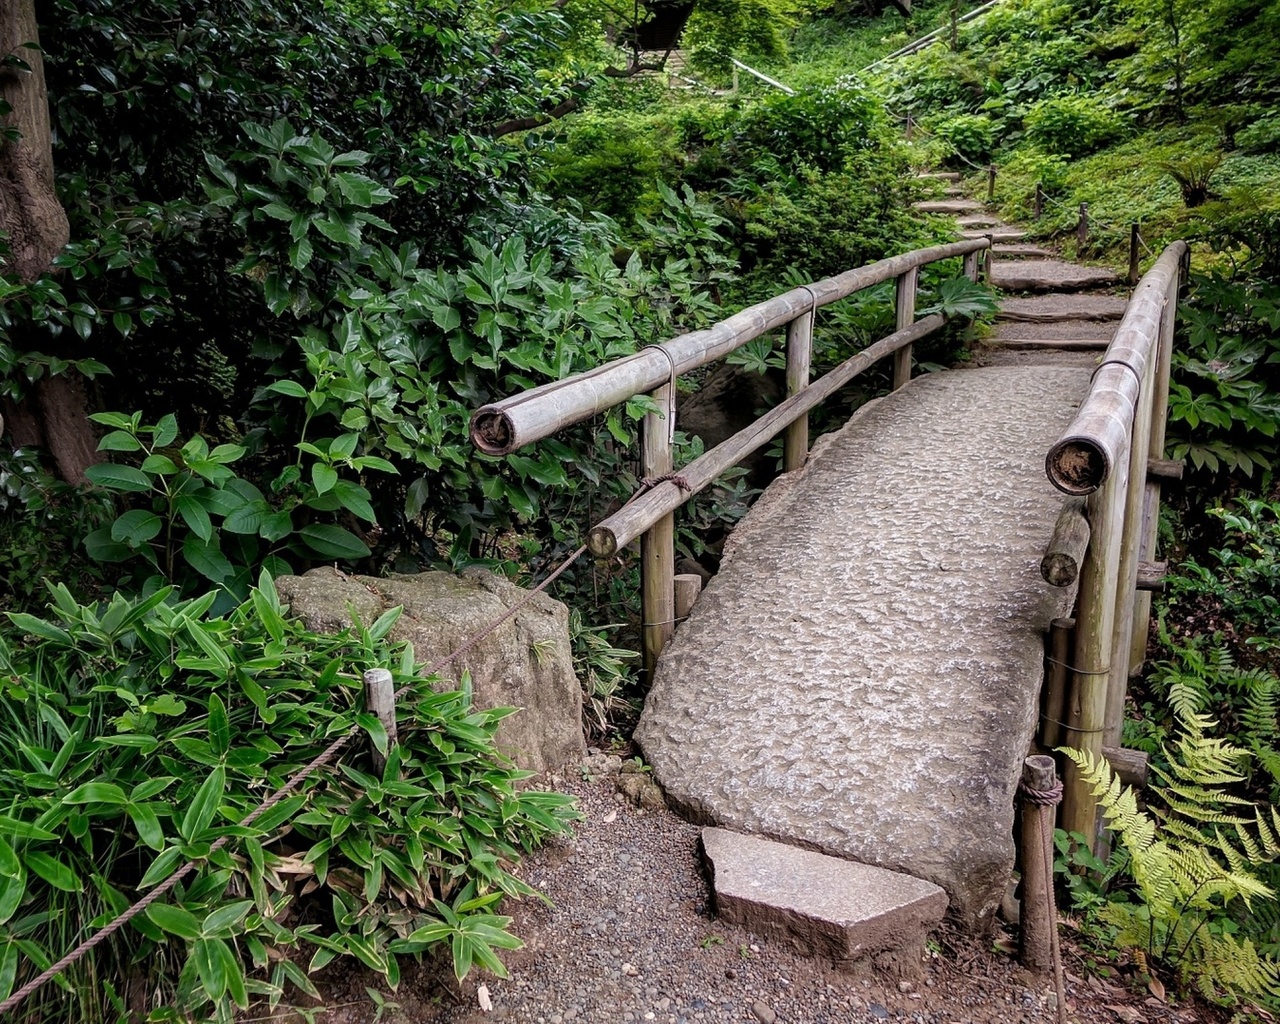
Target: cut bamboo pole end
(1061,563)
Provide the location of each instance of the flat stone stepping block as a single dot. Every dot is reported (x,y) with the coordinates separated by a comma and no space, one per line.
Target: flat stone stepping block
(980,220)
(1041,309)
(862,675)
(1017,251)
(827,907)
(940,175)
(1048,276)
(950,206)
(999,235)
(1096,330)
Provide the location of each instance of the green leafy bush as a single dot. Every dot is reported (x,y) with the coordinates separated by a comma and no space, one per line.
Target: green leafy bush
(972,136)
(1262,136)
(1074,125)
(140,731)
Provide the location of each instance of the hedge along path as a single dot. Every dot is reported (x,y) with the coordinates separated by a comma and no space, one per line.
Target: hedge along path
(326,756)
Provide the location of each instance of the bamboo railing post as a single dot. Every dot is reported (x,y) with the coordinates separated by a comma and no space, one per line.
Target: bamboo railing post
(1082,228)
(1127,571)
(1155,453)
(1053,704)
(972,266)
(1095,630)
(657,544)
(1039,775)
(380,701)
(799,356)
(906,307)
(1038,207)
(1135,240)
(910,126)
(991,182)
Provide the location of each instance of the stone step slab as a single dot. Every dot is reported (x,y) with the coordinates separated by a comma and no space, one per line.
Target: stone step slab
(999,235)
(940,175)
(954,206)
(1096,330)
(1042,309)
(1049,275)
(834,909)
(1016,251)
(980,220)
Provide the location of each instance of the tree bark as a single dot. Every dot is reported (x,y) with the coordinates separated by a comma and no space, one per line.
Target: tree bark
(54,412)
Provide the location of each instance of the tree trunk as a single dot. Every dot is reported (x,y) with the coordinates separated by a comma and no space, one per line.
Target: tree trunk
(54,412)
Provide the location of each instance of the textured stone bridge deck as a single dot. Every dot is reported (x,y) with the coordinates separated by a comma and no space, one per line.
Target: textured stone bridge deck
(861,678)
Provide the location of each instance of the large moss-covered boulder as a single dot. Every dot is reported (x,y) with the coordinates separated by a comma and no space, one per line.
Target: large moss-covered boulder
(525,663)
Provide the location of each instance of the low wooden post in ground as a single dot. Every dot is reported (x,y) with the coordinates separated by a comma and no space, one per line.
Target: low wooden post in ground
(1135,240)
(1040,794)
(991,182)
(380,701)
(1082,228)
(688,586)
(1038,207)
(799,357)
(657,545)
(906,307)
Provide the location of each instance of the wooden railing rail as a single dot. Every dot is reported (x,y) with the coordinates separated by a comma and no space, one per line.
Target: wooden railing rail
(502,427)
(1107,453)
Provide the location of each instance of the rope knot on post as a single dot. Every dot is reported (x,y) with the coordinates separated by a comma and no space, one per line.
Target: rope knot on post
(1050,797)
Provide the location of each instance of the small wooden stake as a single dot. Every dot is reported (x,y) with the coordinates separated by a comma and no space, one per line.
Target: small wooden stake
(380,700)
(1061,563)
(1134,240)
(799,355)
(1053,705)
(906,306)
(991,182)
(1082,228)
(1039,203)
(1038,774)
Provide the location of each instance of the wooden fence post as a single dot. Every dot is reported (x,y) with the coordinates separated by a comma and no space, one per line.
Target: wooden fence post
(1038,208)
(1134,240)
(657,545)
(991,182)
(906,306)
(910,126)
(1082,228)
(1039,775)
(380,701)
(1155,454)
(1053,702)
(799,355)
(1095,630)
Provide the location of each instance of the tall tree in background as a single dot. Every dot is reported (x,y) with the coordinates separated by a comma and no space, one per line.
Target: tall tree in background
(36,229)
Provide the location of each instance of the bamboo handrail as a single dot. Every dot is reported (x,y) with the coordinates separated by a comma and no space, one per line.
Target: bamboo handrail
(1099,436)
(502,427)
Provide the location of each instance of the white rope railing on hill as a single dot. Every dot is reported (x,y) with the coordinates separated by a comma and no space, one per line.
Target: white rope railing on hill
(931,37)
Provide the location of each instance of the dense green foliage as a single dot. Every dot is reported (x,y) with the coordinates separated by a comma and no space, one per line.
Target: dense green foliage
(139,732)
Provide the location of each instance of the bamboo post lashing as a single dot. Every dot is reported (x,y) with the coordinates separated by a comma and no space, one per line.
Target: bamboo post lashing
(658,545)
(505,426)
(1082,228)
(1039,775)
(905,305)
(1135,239)
(1061,563)
(1038,205)
(799,357)
(991,182)
(380,701)
(614,533)
(1053,701)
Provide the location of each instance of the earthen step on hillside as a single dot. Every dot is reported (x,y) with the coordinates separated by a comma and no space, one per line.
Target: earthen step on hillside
(998,355)
(1048,276)
(940,175)
(1065,344)
(954,206)
(838,910)
(998,235)
(980,220)
(1055,308)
